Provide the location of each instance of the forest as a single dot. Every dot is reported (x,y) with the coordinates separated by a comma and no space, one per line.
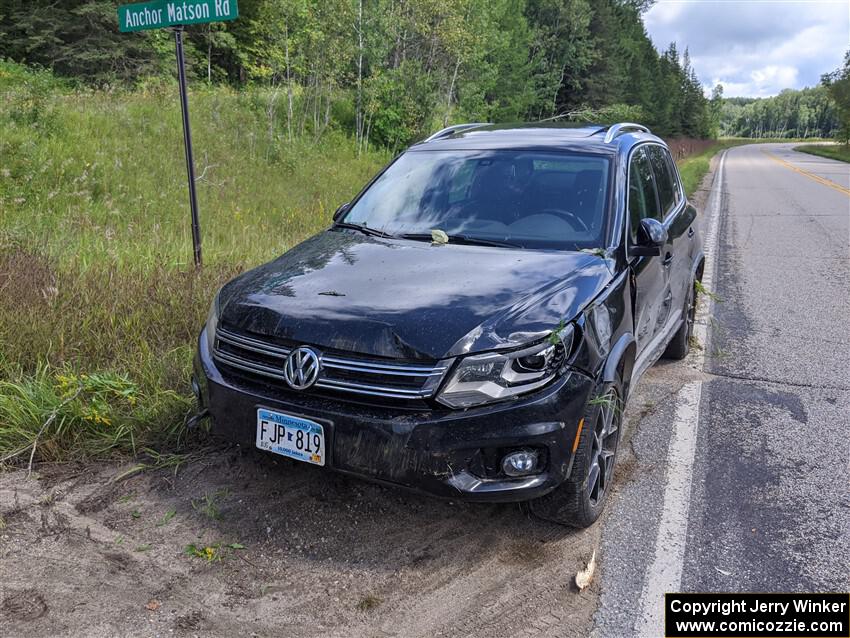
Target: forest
(809,112)
(389,71)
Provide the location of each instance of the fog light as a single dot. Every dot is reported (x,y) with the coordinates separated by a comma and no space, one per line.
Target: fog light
(196,389)
(520,463)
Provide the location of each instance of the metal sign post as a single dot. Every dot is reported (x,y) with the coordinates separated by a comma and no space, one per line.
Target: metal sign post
(157,14)
(187,143)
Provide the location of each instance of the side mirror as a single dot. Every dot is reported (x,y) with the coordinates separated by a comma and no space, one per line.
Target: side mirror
(651,236)
(342,210)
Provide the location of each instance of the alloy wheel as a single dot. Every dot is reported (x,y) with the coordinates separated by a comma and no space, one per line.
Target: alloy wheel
(603,447)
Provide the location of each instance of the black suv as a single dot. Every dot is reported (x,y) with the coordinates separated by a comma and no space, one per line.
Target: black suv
(472,322)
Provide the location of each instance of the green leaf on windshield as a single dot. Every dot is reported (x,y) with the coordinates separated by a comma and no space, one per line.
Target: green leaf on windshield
(599,252)
(439,237)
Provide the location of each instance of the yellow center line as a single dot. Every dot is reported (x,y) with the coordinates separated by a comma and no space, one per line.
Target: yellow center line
(817,178)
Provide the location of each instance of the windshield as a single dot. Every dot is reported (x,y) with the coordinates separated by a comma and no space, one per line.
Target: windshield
(524,198)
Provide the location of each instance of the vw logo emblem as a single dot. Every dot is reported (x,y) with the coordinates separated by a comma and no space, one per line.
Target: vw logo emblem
(301,368)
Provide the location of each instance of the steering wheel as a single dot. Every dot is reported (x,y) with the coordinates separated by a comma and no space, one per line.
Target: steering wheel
(568,217)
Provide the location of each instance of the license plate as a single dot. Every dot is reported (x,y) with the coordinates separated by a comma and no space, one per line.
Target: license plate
(292,436)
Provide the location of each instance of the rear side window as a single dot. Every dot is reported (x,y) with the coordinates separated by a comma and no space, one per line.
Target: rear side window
(642,201)
(668,191)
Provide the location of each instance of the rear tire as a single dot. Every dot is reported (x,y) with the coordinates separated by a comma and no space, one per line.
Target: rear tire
(580,499)
(680,344)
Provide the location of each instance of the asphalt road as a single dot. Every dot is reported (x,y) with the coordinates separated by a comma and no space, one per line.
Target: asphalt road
(741,481)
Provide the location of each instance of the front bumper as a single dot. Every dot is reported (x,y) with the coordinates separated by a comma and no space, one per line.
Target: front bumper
(446,453)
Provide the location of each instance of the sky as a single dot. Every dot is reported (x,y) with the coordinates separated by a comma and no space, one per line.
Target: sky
(754,48)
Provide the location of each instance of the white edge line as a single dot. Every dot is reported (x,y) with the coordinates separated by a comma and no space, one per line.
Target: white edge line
(665,572)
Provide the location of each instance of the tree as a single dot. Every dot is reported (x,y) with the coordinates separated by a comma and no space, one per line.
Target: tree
(390,71)
(560,54)
(715,110)
(77,38)
(838,85)
(808,112)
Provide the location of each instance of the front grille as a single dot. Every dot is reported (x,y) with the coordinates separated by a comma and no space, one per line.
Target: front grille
(343,374)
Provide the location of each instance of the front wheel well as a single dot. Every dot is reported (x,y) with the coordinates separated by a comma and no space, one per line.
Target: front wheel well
(624,368)
(620,363)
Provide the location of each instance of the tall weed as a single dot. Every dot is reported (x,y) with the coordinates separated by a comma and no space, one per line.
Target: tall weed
(96,281)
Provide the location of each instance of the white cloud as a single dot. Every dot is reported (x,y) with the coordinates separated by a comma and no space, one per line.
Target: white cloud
(772,74)
(667,12)
(762,82)
(755,47)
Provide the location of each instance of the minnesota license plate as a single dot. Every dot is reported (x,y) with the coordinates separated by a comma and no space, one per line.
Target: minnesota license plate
(292,436)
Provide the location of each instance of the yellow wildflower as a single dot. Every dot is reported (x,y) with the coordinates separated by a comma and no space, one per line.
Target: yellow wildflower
(93,416)
(65,381)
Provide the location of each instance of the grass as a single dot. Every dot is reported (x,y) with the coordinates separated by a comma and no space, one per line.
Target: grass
(839,152)
(694,168)
(212,553)
(166,518)
(210,504)
(99,177)
(368,603)
(702,291)
(694,343)
(90,413)
(209,553)
(97,291)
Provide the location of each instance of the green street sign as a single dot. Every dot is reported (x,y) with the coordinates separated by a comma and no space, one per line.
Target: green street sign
(178,13)
(169,13)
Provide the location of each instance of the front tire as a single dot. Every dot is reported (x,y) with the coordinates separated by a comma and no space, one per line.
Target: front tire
(580,499)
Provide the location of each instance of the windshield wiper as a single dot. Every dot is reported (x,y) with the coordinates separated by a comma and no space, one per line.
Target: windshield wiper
(374,232)
(462,239)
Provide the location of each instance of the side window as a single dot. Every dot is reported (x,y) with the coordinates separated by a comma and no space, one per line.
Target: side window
(667,191)
(642,199)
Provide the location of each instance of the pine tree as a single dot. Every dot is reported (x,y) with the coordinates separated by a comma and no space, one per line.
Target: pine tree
(76,38)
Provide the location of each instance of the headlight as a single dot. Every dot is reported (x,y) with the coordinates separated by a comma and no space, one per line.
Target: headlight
(212,323)
(500,375)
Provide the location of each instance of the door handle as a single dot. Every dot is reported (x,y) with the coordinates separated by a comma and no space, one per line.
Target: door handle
(668,259)
(690,232)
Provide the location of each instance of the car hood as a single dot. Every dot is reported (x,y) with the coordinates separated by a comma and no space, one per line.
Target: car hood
(346,291)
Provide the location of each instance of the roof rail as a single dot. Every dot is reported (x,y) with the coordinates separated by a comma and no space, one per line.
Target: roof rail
(617,129)
(453,129)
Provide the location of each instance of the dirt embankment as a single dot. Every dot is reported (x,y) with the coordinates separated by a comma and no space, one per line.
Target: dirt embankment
(279,549)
